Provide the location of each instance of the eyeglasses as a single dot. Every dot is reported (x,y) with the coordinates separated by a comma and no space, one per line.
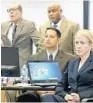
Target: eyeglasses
(12,9)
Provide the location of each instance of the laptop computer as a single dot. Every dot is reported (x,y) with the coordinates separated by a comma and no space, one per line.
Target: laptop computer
(10,62)
(44,73)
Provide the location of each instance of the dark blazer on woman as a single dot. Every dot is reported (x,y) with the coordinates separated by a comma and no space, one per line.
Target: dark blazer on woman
(80,82)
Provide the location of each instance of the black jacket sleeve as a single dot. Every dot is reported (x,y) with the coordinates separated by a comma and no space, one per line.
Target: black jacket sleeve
(62,87)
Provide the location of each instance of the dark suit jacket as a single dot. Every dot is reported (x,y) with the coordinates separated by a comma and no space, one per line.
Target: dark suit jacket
(61,57)
(80,82)
(26,34)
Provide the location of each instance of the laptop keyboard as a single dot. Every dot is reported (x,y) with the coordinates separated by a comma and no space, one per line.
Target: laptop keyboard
(45,84)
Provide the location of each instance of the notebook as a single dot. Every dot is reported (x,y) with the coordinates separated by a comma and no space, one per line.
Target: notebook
(10,62)
(44,73)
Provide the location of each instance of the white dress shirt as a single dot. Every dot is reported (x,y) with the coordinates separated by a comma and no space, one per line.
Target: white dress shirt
(10,32)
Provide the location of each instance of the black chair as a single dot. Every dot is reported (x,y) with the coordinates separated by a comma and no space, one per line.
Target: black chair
(28,97)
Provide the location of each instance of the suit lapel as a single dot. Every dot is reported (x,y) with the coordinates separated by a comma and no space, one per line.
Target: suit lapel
(18,30)
(63,26)
(58,56)
(5,34)
(86,64)
(76,65)
(43,56)
(7,28)
(49,24)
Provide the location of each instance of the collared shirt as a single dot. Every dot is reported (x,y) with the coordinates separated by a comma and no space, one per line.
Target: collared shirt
(10,32)
(53,53)
(80,65)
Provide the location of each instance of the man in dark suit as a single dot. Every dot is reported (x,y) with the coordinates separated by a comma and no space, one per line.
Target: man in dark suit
(67,27)
(19,33)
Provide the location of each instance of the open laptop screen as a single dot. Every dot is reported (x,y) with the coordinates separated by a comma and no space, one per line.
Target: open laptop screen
(44,71)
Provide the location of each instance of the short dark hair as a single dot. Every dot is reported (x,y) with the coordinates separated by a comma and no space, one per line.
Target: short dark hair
(56,30)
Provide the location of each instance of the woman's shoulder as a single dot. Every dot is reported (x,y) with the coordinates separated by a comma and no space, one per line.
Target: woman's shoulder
(73,61)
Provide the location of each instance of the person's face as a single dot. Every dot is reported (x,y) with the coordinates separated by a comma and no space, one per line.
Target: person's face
(51,40)
(14,13)
(54,13)
(82,45)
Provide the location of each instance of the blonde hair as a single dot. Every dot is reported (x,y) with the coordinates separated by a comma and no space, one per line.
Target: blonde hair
(86,33)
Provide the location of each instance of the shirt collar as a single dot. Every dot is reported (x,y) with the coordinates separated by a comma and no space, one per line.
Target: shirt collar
(12,25)
(53,53)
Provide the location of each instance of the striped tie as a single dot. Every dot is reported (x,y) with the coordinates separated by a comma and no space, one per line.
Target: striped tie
(55,25)
(50,57)
(13,33)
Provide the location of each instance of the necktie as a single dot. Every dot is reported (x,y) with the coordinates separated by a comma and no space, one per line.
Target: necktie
(13,33)
(55,25)
(51,57)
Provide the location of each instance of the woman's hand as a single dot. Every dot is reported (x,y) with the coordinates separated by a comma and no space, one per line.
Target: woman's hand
(68,98)
(73,97)
(76,97)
